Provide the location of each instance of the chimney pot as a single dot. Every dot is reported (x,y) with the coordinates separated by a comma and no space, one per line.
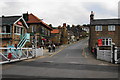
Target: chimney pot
(92,15)
(64,24)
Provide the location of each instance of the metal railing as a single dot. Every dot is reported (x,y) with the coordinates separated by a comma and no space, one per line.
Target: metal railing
(5,35)
(8,55)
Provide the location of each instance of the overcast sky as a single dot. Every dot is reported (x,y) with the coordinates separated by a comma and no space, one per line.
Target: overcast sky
(57,12)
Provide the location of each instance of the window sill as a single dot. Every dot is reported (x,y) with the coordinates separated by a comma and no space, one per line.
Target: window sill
(17,34)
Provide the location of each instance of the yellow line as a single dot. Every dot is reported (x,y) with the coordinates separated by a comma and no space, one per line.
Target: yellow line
(63,48)
(58,51)
(53,53)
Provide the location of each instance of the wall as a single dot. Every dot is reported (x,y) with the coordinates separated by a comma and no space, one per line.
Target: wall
(94,35)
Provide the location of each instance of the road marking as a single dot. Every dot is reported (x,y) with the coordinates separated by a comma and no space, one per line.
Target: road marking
(74,62)
(64,48)
(50,55)
(84,53)
(57,51)
(102,64)
(48,61)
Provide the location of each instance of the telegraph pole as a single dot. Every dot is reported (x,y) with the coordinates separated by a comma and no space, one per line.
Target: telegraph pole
(34,41)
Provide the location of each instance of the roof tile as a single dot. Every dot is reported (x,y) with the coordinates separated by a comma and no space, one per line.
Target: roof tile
(55,31)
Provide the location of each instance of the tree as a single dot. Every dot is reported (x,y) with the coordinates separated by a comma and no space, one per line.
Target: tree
(68,27)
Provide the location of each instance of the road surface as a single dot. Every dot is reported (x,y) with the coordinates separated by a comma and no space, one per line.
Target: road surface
(71,62)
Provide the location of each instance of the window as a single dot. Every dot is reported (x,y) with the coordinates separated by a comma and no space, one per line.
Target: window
(34,28)
(4,29)
(107,41)
(18,30)
(98,28)
(43,30)
(111,28)
(8,29)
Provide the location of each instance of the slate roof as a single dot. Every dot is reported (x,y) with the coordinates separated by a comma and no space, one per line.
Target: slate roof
(105,22)
(8,20)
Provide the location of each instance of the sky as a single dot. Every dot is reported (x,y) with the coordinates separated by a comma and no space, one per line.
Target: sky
(57,12)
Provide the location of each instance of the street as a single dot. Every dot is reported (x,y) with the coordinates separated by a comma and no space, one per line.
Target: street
(73,61)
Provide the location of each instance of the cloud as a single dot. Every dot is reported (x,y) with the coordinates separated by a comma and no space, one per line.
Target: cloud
(100,10)
(57,12)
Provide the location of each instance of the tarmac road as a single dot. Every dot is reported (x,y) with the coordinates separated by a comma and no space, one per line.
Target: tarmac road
(71,62)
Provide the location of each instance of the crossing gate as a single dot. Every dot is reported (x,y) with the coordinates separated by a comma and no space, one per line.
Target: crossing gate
(112,55)
(8,55)
(104,55)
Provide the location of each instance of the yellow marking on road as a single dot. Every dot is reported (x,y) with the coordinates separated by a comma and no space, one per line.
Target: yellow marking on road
(62,49)
(57,51)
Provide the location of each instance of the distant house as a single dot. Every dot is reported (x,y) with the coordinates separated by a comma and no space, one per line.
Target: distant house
(104,32)
(38,30)
(12,30)
(64,34)
(55,36)
(77,31)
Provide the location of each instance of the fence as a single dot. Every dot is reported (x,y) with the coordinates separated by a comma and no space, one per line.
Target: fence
(8,55)
(112,55)
(104,55)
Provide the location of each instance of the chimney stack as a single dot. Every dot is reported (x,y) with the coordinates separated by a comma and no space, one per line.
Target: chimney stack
(25,16)
(92,16)
(3,16)
(64,24)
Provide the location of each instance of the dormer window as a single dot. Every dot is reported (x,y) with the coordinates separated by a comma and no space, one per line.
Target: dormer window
(98,28)
(111,28)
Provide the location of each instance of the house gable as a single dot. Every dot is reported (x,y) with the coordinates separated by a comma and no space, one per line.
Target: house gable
(10,20)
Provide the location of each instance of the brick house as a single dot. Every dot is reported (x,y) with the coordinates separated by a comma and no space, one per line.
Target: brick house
(104,32)
(12,30)
(37,29)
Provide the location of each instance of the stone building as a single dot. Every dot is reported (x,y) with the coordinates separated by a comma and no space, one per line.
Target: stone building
(104,32)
